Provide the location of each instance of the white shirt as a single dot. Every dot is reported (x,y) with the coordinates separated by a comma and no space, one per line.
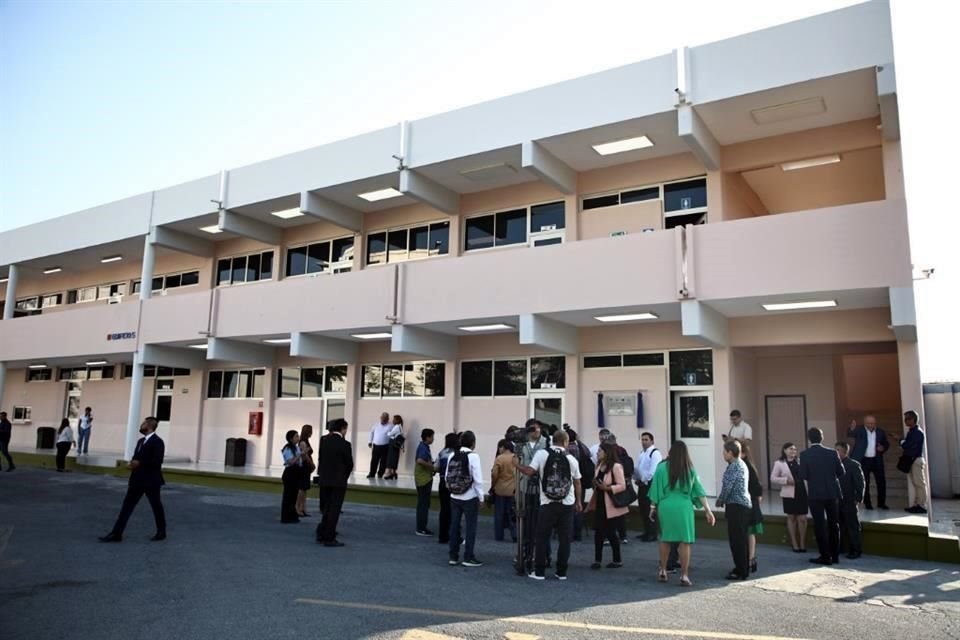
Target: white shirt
(540,460)
(66,435)
(85,422)
(647,462)
(593,453)
(742,431)
(476,490)
(395,430)
(871,444)
(380,434)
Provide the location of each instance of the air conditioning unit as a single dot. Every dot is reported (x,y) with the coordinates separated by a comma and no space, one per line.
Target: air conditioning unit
(117,299)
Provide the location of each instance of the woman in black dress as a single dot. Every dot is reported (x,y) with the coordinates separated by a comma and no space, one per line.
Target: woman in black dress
(307,468)
(793,493)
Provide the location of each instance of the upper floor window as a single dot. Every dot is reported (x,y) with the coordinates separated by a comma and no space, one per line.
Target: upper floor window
(21,415)
(408,380)
(311,382)
(617,360)
(39,375)
(235,383)
(85,373)
(684,201)
(170,281)
(511,377)
(691,367)
(150,371)
(252,267)
(538,224)
(331,256)
(410,243)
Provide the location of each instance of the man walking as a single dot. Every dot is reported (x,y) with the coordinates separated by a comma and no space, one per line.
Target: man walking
(464,480)
(146,478)
(334,465)
(6,431)
(380,445)
(852,488)
(560,498)
(913,449)
(84,425)
(739,430)
(647,463)
(870,443)
(821,470)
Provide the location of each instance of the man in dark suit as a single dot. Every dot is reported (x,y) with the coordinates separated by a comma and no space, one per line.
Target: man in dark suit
(146,478)
(870,443)
(851,486)
(821,471)
(334,465)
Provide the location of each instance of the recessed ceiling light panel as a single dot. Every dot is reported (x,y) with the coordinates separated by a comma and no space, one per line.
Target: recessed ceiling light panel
(51,270)
(110,259)
(487,327)
(372,336)
(37,366)
(380,194)
(621,146)
(95,363)
(286,214)
(214,228)
(277,340)
(627,317)
(810,162)
(793,306)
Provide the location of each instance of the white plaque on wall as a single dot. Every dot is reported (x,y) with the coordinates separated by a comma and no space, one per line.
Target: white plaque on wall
(621,404)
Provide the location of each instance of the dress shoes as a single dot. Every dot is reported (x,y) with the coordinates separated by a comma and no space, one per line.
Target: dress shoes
(110,537)
(824,561)
(853,555)
(157,537)
(334,543)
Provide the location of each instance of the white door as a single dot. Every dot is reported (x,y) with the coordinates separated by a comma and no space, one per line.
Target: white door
(162,408)
(548,409)
(72,410)
(693,423)
(786,422)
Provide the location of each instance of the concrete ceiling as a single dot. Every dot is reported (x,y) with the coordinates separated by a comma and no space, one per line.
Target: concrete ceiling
(449,173)
(846,300)
(88,258)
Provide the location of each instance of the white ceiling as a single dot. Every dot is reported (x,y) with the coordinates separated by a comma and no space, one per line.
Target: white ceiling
(88,258)
(846,300)
(448,173)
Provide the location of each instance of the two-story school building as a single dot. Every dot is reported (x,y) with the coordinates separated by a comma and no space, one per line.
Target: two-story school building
(720,227)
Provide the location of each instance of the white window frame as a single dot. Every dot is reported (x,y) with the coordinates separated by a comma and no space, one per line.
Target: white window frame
(340,266)
(26,414)
(406,227)
(231,258)
(238,371)
(35,307)
(531,235)
(493,374)
(402,396)
(323,391)
(664,352)
(659,185)
(30,371)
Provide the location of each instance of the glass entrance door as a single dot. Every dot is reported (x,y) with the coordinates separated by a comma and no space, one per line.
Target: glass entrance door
(693,423)
(162,408)
(72,409)
(548,409)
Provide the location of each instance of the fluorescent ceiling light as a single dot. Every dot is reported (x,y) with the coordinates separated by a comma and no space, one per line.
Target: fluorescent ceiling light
(627,317)
(277,340)
(789,306)
(287,213)
(212,229)
(37,366)
(371,336)
(2,280)
(111,259)
(810,162)
(202,345)
(95,363)
(619,146)
(485,327)
(381,194)
(52,270)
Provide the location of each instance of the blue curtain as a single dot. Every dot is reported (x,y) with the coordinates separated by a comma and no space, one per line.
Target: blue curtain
(600,411)
(639,410)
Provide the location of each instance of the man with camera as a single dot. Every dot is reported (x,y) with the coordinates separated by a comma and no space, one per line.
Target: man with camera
(530,490)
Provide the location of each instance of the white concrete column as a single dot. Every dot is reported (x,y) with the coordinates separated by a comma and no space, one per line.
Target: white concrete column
(146,272)
(3,383)
(911,397)
(136,399)
(269,411)
(13,275)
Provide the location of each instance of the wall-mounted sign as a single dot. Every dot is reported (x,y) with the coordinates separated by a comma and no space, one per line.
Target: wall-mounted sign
(617,234)
(123,335)
(621,404)
(686,203)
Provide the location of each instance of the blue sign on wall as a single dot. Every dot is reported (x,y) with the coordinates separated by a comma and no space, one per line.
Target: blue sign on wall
(123,335)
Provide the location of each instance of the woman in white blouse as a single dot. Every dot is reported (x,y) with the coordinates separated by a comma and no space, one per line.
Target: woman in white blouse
(786,475)
(292,476)
(64,443)
(395,448)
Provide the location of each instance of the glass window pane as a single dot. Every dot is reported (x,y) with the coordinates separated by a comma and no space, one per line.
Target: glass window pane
(173,281)
(397,246)
(162,412)
(253,267)
(259,376)
(511,227)
(245,383)
(640,195)
(181,372)
(288,383)
(311,383)
(546,242)
(691,194)
(392,380)
(95,373)
(414,379)
(439,239)
(476,378)
(266,265)
(371,374)
(342,249)
(165,372)
(377,248)
(103,292)
(597,202)
(296,261)
(318,255)
(336,381)
(419,242)
(545,216)
(510,378)
(642,359)
(223,271)
(682,220)
(691,367)
(72,294)
(230,379)
(479,234)
(189,278)
(548,372)
(601,362)
(157,283)
(214,384)
(434,379)
(239,273)
(149,371)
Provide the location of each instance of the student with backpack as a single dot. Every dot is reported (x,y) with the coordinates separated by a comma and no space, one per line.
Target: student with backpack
(581,452)
(647,463)
(560,497)
(464,479)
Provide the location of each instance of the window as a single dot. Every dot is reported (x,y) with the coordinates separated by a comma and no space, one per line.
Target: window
(215,384)
(335,379)
(28,304)
(516,226)
(39,375)
(51,300)
(681,197)
(293,382)
(412,243)
(547,217)
(21,414)
(476,378)
(643,359)
(617,360)
(150,371)
(511,377)
(85,373)
(169,281)
(692,367)
(602,362)
(320,257)
(247,268)
(106,291)
(408,380)
(235,383)
(548,372)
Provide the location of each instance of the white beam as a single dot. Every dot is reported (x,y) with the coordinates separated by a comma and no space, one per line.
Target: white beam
(698,138)
(423,342)
(305,345)
(236,351)
(547,333)
(10,304)
(903,314)
(249,228)
(429,192)
(164,356)
(317,206)
(548,168)
(180,241)
(703,323)
(887,98)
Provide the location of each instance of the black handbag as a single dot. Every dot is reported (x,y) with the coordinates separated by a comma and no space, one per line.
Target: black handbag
(905,463)
(626,497)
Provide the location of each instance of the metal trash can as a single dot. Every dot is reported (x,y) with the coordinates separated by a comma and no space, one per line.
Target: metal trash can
(46,437)
(236,454)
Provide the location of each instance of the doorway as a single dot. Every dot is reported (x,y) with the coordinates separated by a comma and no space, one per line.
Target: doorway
(548,409)
(786,422)
(693,423)
(333,408)
(163,407)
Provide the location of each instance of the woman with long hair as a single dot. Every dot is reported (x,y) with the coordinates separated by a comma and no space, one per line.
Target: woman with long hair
(673,491)
(755,488)
(395,448)
(64,442)
(793,493)
(292,476)
(307,467)
(608,481)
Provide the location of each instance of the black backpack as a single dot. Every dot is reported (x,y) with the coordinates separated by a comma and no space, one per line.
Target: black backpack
(587,469)
(459,478)
(556,480)
(627,462)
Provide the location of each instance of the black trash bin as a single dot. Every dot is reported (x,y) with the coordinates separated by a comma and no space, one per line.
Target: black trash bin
(46,437)
(236,455)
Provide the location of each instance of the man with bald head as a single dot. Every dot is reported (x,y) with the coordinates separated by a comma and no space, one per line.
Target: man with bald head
(870,443)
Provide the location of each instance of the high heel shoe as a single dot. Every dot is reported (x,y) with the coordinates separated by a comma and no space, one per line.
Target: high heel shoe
(753,566)
(662,575)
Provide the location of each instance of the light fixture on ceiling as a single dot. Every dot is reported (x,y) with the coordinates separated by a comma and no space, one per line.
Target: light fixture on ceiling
(486,327)
(95,363)
(490,173)
(3,280)
(37,366)
(202,345)
(792,306)
(627,317)
(277,340)
(286,214)
(213,228)
(380,194)
(789,111)
(621,146)
(371,336)
(109,259)
(811,162)
(50,270)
